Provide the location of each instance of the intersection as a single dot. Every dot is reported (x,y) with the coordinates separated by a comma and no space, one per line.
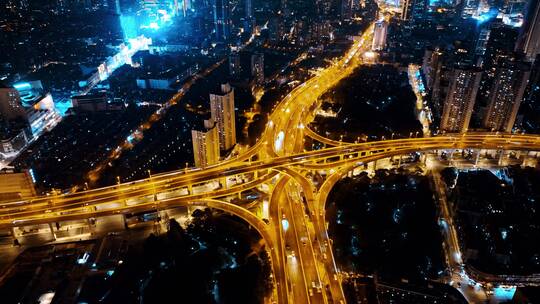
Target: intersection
(303,265)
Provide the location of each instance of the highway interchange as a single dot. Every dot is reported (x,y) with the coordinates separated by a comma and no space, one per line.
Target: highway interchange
(295,230)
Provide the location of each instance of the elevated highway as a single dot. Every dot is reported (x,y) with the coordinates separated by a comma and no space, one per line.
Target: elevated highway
(20,212)
(279,161)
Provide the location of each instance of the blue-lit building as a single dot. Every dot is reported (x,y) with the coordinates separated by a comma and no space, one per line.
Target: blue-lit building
(222,19)
(413,9)
(470,8)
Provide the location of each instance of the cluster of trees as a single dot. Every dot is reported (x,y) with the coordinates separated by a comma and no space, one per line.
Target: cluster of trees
(216,259)
(386,225)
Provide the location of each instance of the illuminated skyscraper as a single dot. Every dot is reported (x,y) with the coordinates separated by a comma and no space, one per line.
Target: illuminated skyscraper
(235,67)
(222,111)
(529,38)
(431,66)
(156,4)
(249,9)
(222,19)
(413,9)
(205,145)
(379,36)
(506,95)
(257,67)
(470,8)
(459,103)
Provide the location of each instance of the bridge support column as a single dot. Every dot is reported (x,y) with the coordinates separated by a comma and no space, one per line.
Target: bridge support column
(90,226)
(124,220)
(400,160)
(477,158)
(13,234)
(256,174)
(190,189)
(223,182)
(52,231)
(374,166)
(518,154)
(501,158)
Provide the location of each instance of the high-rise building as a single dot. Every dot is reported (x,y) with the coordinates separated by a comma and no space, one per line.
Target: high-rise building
(433,69)
(346,9)
(284,7)
(222,19)
(235,67)
(249,9)
(222,112)
(185,5)
(257,67)
(459,103)
(431,66)
(506,95)
(499,46)
(155,5)
(482,41)
(533,88)
(11,108)
(205,145)
(469,8)
(413,9)
(529,38)
(379,35)
(15,129)
(514,7)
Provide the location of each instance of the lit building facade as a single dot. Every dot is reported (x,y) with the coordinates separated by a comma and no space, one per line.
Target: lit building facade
(257,67)
(222,19)
(413,9)
(506,96)
(459,103)
(249,9)
(470,8)
(235,66)
(222,112)
(379,35)
(205,146)
(529,38)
